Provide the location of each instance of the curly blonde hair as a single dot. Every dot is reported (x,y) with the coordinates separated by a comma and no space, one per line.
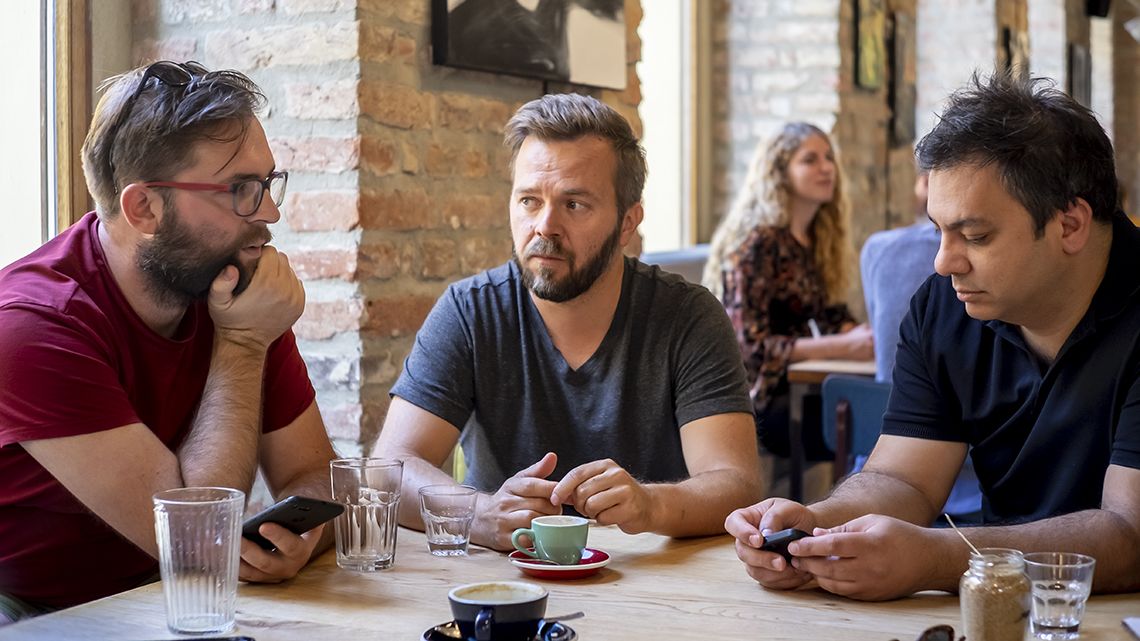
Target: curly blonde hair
(763,200)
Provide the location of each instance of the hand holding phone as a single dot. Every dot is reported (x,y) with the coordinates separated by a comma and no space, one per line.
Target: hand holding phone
(778,542)
(298,514)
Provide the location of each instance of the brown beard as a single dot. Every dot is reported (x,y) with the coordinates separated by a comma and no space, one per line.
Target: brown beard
(179,270)
(576,282)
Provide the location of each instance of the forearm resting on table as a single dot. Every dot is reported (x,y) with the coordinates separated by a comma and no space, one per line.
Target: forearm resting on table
(698,506)
(418,472)
(874,493)
(806,349)
(1102,534)
(221,449)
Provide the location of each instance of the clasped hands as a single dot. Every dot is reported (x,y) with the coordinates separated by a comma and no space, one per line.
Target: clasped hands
(600,490)
(870,558)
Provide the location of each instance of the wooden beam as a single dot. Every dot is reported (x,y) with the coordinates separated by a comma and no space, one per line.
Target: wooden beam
(73,107)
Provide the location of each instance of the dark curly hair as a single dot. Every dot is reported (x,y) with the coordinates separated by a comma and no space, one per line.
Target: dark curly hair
(1048,149)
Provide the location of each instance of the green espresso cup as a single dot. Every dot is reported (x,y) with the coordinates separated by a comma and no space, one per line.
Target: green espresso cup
(558,539)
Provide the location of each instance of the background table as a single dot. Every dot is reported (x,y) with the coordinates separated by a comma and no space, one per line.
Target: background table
(804,378)
(655,588)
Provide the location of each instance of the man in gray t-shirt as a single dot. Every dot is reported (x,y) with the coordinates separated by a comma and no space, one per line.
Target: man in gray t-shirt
(573,376)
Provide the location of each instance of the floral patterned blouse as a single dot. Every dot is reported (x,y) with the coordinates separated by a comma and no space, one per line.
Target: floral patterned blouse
(771,289)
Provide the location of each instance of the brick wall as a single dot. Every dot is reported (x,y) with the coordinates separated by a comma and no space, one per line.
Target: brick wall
(773,61)
(1047,39)
(954,38)
(398,178)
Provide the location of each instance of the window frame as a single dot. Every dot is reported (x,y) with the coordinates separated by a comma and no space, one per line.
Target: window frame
(71,111)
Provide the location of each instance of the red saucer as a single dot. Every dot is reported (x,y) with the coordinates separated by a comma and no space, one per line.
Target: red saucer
(592,560)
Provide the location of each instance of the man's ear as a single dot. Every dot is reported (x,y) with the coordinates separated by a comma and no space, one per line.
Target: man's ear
(141,208)
(1076,225)
(629,222)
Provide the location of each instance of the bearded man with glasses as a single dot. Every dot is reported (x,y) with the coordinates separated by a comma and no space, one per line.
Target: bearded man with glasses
(149,347)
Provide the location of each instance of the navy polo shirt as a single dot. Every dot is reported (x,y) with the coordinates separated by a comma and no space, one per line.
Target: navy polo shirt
(1041,437)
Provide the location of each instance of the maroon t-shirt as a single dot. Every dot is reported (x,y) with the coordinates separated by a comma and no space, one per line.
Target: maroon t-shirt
(76,359)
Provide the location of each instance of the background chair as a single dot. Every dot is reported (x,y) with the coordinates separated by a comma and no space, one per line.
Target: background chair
(689,262)
(853,408)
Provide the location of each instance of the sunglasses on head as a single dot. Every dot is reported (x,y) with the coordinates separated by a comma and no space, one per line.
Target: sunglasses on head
(178,75)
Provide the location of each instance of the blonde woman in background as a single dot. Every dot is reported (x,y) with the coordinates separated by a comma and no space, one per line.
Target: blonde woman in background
(779,262)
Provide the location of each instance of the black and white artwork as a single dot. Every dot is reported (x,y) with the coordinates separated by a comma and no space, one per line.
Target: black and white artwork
(576,41)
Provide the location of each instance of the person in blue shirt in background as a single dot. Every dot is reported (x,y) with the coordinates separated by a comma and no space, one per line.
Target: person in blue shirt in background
(893,264)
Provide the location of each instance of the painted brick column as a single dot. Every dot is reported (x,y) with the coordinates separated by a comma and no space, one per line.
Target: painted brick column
(1048,46)
(954,39)
(773,61)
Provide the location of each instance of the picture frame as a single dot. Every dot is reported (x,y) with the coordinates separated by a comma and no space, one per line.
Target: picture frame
(1080,74)
(902,91)
(581,42)
(1015,52)
(870,50)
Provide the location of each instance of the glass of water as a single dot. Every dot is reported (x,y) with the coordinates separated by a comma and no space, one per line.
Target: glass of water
(447,511)
(1061,584)
(199,542)
(369,490)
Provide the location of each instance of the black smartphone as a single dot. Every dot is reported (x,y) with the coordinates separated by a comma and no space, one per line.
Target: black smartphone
(779,541)
(298,514)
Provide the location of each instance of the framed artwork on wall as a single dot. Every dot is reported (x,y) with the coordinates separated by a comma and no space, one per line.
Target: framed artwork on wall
(575,41)
(870,50)
(1015,52)
(902,90)
(1080,74)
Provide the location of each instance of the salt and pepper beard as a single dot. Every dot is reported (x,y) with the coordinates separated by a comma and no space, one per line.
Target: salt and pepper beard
(179,269)
(576,282)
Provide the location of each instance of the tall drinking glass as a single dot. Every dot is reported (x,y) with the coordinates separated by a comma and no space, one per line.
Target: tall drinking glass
(369,489)
(199,547)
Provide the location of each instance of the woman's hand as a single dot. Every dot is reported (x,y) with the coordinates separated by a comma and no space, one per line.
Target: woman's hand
(856,344)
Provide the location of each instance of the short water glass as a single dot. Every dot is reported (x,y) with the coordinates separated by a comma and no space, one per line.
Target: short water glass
(1061,583)
(447,511)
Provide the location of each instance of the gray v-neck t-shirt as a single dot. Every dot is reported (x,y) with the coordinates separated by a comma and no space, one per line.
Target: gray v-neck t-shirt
(484,360)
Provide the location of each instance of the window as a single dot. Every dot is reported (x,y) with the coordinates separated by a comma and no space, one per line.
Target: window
(44,118)
(674,108)
(22,112)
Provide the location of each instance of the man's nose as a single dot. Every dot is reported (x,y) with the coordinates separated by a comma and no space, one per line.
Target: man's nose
(267,211)
(950,259)
(548,222)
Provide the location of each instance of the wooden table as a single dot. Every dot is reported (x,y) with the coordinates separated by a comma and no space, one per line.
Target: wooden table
(804,378)
(679,589)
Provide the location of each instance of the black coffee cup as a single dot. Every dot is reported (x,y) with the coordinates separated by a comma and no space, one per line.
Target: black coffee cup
(498,610)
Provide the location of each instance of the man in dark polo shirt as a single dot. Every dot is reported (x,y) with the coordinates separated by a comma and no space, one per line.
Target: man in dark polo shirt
(1023,346)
